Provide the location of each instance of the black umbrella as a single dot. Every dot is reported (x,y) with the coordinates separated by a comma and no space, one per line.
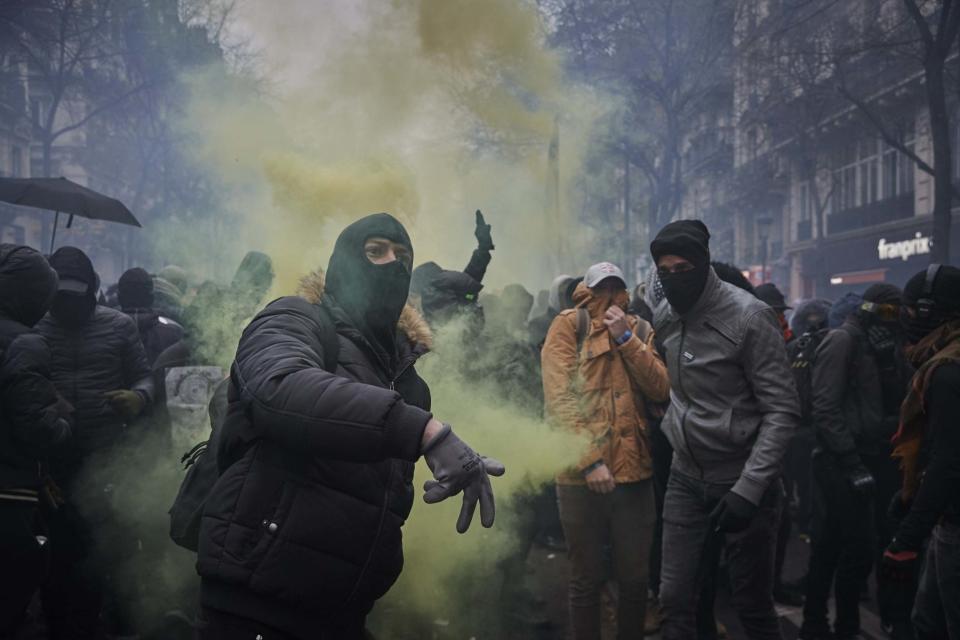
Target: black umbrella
(62,195)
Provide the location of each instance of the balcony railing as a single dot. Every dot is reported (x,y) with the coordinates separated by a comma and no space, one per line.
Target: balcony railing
(897,208)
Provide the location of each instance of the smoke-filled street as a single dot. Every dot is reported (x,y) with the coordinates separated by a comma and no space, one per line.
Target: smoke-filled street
(463,320)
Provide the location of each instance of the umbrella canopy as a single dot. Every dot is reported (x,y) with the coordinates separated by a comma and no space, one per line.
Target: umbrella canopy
(62,195)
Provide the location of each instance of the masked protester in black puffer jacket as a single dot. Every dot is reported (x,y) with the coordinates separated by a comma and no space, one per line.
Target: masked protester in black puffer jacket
(32,420)
(99,365)
(301,533)
(135,295)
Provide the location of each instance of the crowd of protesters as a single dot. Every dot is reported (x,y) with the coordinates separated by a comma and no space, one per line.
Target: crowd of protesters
(717,420)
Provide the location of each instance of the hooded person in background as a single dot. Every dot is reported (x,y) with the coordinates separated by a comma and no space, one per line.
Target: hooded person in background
(99,366)
(859,380)
(33,419)
(769,293)
(600,368)
(135,293)
(326,416)
(170,289)
(843,308)
(443,295)
(559,298)
(733,409)
(927,443)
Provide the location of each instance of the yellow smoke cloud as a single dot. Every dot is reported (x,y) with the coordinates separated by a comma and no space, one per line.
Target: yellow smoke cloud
(428,109)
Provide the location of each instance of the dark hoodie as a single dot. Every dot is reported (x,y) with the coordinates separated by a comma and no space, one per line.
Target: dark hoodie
(30,420)
(135,293)
(92,353)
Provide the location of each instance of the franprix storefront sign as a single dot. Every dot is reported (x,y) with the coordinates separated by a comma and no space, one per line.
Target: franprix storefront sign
(904,249)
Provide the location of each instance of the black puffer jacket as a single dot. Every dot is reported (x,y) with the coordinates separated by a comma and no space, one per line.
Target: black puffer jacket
(30,419)
(104,354)
(303,527)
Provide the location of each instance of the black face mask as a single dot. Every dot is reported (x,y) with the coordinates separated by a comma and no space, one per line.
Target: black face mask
(372,295)
(916,328)
(72,309)
(682,290)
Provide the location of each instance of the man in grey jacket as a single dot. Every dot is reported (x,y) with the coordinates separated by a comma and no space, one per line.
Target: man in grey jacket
(733,408)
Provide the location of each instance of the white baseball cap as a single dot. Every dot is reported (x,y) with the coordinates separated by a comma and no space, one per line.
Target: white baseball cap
(600,272)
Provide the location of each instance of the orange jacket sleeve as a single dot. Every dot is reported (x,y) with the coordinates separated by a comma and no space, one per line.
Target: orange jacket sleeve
(645,367)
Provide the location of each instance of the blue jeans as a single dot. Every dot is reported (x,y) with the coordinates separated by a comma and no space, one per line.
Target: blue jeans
(936,611)
(690,548)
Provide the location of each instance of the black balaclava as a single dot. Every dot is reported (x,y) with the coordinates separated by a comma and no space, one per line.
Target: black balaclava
(946,299)
(135,290)
(372,295)
(27,284)
(690,240)
(69,308)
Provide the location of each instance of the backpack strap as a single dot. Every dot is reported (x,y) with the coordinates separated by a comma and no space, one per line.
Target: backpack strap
(583,328)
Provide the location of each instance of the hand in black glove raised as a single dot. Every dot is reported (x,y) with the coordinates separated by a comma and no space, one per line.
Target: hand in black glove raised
(733,513)
(482,233)
(456,467)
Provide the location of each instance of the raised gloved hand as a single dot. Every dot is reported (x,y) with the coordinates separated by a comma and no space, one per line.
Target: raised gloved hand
(456,467)
(482,233)
(733,513)
(126,403)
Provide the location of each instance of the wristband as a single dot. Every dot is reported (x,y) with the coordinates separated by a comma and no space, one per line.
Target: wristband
(592,467)
(626,336)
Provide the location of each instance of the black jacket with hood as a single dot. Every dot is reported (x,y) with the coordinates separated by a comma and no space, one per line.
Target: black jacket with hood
(303,526)
(102,354)
(30,420)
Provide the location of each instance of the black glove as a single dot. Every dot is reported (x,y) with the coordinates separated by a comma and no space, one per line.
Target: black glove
(482,233)
(898,565)
(857,476)
(456,467)
(733,513)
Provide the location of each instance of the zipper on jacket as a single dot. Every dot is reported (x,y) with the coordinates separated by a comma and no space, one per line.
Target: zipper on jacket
(686,408)
(403,370)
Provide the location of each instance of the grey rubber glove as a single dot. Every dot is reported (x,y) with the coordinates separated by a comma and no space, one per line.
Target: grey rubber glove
(456,467)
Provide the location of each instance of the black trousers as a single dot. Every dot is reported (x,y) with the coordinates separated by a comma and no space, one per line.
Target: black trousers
(217,625)
(22,560)
(843,550)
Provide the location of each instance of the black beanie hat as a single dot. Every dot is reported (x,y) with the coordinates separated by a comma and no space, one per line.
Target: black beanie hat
(135,289)
(946,289)
(689,239)
(882,293)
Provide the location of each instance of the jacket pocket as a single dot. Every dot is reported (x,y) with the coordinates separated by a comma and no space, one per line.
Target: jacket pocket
(743,427)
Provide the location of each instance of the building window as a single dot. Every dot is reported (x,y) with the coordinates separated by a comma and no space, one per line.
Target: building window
(869,171)
(16,162)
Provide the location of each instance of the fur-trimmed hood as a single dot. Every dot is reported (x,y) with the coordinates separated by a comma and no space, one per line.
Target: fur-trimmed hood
(411,323)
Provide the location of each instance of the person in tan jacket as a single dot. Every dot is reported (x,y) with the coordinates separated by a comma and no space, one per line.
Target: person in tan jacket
(599,369)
